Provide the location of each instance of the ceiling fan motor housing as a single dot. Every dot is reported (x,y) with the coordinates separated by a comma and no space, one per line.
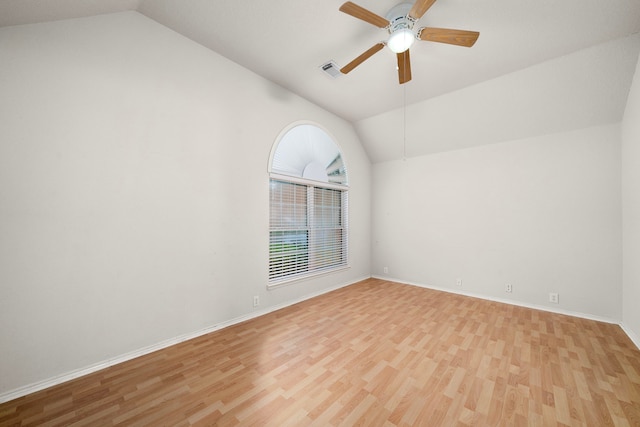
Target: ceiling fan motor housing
(398,17)
(401,34)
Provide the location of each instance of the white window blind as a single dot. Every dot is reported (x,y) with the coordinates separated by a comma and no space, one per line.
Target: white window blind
(308,232)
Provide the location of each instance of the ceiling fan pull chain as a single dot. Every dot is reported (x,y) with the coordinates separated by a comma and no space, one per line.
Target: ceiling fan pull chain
(404,123)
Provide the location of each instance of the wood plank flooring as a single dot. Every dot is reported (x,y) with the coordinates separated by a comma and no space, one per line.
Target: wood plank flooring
(375,353)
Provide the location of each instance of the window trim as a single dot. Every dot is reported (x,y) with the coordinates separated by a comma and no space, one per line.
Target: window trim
(343,187)
(303,181)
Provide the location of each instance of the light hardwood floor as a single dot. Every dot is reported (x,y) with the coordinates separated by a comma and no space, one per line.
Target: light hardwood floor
(375,353)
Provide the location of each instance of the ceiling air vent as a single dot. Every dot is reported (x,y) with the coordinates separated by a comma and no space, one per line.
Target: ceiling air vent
(331,69)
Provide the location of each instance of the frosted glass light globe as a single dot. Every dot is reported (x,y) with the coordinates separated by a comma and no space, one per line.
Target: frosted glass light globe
(401,40)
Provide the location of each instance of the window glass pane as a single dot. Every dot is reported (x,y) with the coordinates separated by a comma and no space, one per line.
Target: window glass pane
(307,151)
(327,248)
(307,233)
(288,253)
(327,207)
(288,207)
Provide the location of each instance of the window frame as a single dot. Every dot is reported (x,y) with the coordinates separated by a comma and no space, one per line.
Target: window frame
(311,226)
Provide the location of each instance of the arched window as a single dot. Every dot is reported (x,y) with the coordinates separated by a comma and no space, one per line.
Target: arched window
(308,205)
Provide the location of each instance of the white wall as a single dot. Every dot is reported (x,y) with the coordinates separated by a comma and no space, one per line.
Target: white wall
(575,91)
(134,192)
(543,214)
(631,210)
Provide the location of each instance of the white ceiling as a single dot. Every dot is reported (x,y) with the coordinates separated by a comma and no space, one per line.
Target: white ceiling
(286,41)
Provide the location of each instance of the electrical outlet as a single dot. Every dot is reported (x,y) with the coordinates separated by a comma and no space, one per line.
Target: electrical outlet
(459,282)
(386,270)
(508,288)
(256,300)
(554,298)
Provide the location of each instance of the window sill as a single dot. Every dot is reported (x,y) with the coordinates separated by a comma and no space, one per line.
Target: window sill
(307,276)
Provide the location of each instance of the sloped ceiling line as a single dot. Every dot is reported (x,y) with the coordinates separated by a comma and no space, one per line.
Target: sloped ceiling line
(458,97)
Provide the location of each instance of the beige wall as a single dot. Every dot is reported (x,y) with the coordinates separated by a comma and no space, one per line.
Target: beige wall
(543,214)
(134,193)
(631,210)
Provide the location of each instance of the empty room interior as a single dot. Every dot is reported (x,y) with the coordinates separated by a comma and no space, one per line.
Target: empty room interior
(270,213)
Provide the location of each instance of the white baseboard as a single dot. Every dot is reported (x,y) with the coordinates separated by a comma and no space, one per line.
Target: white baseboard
(59,379)
(632,336)
(68,376)
(506,301)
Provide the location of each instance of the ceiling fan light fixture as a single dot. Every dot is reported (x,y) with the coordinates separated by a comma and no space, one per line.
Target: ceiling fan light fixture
(399,23)
(401,40)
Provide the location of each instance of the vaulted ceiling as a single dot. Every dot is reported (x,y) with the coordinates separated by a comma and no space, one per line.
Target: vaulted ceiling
(538,67)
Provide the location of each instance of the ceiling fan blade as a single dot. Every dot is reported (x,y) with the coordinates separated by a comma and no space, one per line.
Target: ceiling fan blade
(404,67)
(361,13)
(360,59)
(420,7)
(445,35)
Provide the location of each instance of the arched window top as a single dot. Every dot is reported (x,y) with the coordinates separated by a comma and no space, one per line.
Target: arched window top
(307,151)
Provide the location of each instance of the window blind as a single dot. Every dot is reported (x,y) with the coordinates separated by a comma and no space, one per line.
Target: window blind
(308,232)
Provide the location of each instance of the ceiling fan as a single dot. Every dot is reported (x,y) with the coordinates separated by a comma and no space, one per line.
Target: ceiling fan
(399,22)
